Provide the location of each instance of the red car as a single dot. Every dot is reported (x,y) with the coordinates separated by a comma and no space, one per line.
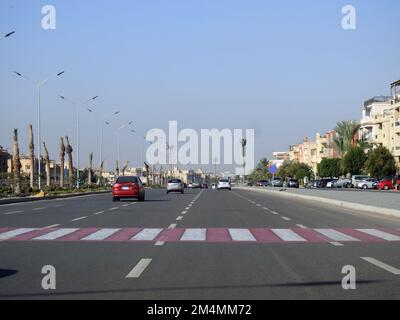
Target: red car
(128,187)
(387,184)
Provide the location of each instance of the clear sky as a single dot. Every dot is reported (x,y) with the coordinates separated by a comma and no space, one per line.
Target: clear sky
(285,68)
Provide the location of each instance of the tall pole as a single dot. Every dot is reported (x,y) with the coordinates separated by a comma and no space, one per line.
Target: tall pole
(39,141)
(77,147)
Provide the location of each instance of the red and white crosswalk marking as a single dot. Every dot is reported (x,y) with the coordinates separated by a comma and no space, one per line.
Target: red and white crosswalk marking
(211,235)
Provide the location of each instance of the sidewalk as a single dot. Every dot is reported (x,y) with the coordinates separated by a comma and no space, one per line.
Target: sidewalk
(379,202)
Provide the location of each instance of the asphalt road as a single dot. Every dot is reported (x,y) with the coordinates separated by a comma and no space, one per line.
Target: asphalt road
(201,245)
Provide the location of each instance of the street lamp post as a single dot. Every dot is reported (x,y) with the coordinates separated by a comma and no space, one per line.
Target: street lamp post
(7,35)
(77,106)
(39,85)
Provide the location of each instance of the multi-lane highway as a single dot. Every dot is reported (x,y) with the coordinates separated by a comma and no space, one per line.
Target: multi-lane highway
(201,245)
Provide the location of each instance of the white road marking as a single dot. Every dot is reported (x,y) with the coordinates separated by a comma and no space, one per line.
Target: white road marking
(194,235)
(59,205)
(101,234)
(160,243)
(52,226)
(286,218)
(56,234)
(336,244)
(184,212)
(241,235)
(172,226)
(288,235)
(97,213)
(380,234)
(382,265)
(259,205)
(13,233)
(139,268)
(80,218)
(179,218)
(41,208)
(274,212)
(125,205)
(187,208)
(12,212)
(147,234)
(301,226)
(265,208)
(115,208)
(336,235)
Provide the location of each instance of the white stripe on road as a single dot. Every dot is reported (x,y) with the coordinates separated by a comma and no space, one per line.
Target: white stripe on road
(382,265)
(380,234)
(179,218)
(101,234)
(336,244)
(172,226)
(115,208)
(139,268)
(184,212)
(187,208)
(12,212)
(241,235)
(97,213)
(13,233)
(301,226)
(125,205)
(147,234)
(288,235)
(265,208)
(52,226)
(160,243)
(194,235)
(80,218)
(41,208)
(56,234)
(336,235)
(286,218)
(274,212)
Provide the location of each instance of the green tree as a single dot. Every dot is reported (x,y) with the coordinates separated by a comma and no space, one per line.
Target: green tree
(302,170)
(346,131)
(329,168)
(354,161)
(380,163)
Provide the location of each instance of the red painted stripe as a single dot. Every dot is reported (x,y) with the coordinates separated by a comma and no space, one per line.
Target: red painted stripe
(311,235)
(265,235)
(170,235)
(78,235)
(33,234)
(218,235)
(2,230)
(123,234)
(364,237)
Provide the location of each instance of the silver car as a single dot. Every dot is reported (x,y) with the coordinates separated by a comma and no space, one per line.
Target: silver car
(368,184)
(224,184)
(175,185)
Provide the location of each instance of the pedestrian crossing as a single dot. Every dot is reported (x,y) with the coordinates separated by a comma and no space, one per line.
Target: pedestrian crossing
(210,235)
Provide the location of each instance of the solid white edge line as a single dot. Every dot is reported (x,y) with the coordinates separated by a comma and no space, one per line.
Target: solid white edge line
(382,265)
(139,268)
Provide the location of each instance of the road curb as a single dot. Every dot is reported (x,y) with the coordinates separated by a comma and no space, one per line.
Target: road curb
(339,203)
(64,196)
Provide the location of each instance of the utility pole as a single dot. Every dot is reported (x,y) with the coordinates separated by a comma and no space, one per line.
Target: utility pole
(243,142)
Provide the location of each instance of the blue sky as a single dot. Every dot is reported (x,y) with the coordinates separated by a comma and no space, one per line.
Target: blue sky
(286,69)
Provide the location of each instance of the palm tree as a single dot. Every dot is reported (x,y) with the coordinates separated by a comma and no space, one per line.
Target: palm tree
(345,138)
(31,155)
(16,165)
(47,163)
(100,172)
(90,169)
(69,151)
(124,168)
(117,168)
(62,155)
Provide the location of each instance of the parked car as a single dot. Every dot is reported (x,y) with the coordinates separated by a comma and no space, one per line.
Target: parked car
(277,182)
(175,185)
(292,183)
(262,183)
(356,179)
(249,184)
(309,184)
(224,184)
(128,187)
(331,184)
(389,183)
(368,184)
(204,186)
(342,183)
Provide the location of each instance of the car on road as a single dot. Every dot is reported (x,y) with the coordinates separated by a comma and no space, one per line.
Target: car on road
(389,183)
(356,179)
(368,184)
(277,182)
(331,184)
(224,184)
(175,185)
(342,183)
(204,186)
(128,187)
(262,183)
(292,183)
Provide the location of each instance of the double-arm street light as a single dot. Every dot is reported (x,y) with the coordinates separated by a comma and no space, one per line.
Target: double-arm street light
(39,85)
(7,35)
(77,106)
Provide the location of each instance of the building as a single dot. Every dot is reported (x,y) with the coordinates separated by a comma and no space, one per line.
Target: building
(4,158)
(326,147)
(305,152)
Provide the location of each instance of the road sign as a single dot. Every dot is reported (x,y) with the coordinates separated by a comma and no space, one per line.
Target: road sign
(273,169)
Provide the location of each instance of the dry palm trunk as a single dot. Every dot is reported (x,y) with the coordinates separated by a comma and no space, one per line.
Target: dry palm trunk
(31,155)
(69,151)
(100,172)
(16,165)
(124,168)
(47,164)
(117,168)
(62,155)
(90,169)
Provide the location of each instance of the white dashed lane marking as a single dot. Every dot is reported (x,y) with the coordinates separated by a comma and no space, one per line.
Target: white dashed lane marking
(382,265)
(97,213)
(147,234)
(80,218)
(13,212)
(179,218)
(41,208)
(139,268)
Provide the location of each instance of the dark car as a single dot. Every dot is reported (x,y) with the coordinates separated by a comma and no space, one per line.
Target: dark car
(128,187)
(262,183)
(292,183)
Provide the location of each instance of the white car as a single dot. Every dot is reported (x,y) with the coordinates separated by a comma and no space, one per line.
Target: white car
(175,185)
(224,184)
